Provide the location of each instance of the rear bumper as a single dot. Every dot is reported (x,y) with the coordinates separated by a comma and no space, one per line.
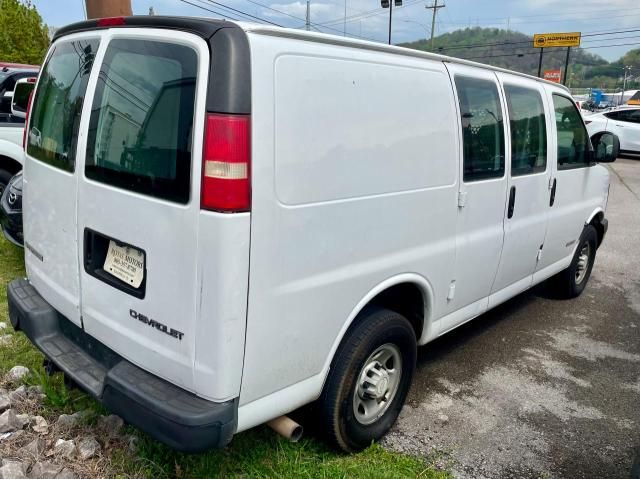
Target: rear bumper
(166,412)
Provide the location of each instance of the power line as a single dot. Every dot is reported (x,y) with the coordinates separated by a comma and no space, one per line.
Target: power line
(520,42)
(367,14)
(226,15)
(525,18)
(244,13)
(222,14)
(321,25)
(537,53)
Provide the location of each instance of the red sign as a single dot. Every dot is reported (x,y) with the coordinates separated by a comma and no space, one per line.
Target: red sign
(553,75)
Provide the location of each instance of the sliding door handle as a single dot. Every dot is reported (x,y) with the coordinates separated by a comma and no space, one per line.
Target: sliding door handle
(512,201)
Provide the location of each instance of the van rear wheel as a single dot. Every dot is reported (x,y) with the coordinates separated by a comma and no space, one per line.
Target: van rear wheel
(369,380)
(5,177)
(571,282)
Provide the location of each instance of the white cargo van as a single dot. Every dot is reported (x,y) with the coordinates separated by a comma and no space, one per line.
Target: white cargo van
(224,222)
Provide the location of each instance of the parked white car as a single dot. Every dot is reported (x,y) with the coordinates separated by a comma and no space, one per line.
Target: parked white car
(225,222)
(12,131)
(624,122)
(11,152)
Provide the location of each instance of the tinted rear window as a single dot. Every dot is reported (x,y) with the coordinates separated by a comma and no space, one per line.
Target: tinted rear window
(142,117)
(57,106)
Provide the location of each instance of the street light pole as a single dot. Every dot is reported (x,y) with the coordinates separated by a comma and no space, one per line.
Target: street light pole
(390,17)
(389,4)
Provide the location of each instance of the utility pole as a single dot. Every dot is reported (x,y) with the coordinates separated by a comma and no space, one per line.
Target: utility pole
(566,66)
(540,63)
(435,8)
(307,25)
(344,27)
(624,81)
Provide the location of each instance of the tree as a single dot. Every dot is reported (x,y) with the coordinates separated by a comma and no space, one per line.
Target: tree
(632,58)
(24,38)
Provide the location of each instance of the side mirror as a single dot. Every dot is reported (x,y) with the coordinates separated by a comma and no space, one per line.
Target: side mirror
(20,100)
(606,147)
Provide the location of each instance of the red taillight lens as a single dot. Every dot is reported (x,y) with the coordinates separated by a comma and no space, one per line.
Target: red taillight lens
(26,122)
(111,21)
(226,184)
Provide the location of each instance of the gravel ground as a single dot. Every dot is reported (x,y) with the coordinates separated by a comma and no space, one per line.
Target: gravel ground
(541,387)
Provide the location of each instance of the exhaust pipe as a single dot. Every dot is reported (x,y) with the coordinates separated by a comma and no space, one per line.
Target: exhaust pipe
(286,427)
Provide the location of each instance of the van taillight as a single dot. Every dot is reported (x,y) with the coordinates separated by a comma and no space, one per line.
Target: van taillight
(26,122)
(111,22)
(226,184)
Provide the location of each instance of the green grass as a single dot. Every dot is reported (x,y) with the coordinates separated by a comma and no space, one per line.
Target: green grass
(258,453)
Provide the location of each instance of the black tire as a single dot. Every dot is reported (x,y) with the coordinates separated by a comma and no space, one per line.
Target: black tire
(569,283)
(375,329)
(5,177)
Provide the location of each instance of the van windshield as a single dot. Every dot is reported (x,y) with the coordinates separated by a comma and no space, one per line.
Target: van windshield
(57,105)
(141,120)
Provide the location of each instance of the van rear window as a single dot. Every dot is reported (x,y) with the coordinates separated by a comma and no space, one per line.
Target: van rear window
(57,106)
(141,120)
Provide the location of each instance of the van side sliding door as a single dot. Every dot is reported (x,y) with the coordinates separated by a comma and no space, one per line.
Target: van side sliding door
(483,188)
(525,218)
(569,203)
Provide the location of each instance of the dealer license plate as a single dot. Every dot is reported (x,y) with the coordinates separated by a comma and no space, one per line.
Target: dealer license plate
(125,263)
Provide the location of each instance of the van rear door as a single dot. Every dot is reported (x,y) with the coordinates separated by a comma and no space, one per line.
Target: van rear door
(138,199)
(50,180)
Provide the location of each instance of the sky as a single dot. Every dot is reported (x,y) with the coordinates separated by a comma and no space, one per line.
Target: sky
(412,21)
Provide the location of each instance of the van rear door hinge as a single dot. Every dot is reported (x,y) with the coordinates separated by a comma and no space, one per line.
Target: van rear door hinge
(452,291)
(539,257)
(462,199)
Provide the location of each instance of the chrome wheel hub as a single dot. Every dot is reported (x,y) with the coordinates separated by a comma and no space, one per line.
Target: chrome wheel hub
(583,263)
(378,383)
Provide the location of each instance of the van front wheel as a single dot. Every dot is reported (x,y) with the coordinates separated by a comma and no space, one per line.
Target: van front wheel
(369,379)
(571,282)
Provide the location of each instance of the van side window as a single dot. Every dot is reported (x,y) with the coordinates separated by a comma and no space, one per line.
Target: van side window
(141,119)
(482,128)
(528,131)
(573,140)
(57,106)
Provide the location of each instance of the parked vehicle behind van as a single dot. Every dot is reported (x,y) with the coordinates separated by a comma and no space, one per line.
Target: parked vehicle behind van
(225,222)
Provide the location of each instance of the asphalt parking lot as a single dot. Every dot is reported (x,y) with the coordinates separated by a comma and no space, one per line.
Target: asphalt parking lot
(541,387)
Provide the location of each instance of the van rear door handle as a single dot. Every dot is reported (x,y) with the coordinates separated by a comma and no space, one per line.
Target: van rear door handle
(512,201)
(552,198)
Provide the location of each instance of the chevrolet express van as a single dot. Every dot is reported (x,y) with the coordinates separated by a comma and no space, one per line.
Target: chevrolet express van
(224,222)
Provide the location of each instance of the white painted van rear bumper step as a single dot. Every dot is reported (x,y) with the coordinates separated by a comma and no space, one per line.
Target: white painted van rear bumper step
(166,412)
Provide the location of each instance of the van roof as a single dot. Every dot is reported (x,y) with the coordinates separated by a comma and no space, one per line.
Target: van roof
(206,27)
(380,47)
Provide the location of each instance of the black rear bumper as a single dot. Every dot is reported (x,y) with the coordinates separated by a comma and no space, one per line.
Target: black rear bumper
(166,412)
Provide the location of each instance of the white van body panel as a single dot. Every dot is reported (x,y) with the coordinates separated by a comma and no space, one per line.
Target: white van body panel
(479,227)
(343,186)
(189,252)
(579,192)
(357,186)
(51,248)
(525,231)
(11,142)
